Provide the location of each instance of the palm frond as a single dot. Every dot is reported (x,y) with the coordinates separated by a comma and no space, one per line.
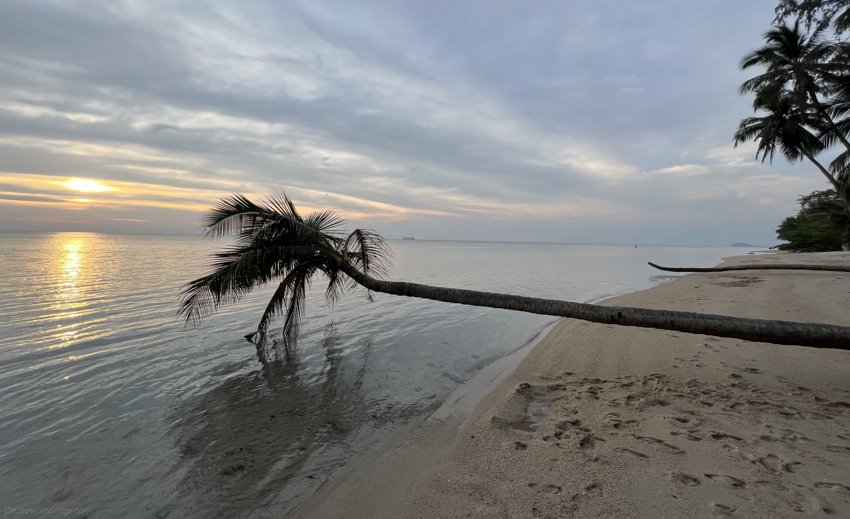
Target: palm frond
(840,166)
(326,221)
(336,286)
(286,223)
(235,271)
(367,250)
(291,292)
(232,215)
(842,21)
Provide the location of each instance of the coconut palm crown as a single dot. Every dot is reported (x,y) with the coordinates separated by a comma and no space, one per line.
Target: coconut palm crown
(783,127)
(273,241)
(805,65)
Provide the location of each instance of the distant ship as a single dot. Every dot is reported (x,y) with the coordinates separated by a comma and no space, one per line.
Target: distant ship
(408,238)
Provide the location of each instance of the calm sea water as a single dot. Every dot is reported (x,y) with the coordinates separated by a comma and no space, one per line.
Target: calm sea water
(111,407)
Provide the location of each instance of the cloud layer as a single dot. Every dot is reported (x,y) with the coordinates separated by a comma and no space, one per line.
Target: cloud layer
(551,121)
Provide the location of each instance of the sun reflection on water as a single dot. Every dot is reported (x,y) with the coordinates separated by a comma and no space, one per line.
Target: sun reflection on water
(71,264)
(69,271)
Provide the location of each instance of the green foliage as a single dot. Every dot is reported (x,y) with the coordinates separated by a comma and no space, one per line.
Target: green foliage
(822,224)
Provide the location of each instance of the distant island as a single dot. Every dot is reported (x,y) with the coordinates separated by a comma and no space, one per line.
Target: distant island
(742,244)
(408,238)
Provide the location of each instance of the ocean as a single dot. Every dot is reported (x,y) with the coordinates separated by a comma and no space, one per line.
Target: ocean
(113,408)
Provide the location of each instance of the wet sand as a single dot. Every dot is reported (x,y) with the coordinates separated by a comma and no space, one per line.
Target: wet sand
(605,421)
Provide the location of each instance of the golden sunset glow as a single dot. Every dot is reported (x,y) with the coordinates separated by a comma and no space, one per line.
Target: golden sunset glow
(86,185)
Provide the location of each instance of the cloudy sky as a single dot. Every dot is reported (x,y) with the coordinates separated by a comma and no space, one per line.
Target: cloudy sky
(579,121)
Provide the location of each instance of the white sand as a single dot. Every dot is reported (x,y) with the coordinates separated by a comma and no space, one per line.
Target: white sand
(605,421)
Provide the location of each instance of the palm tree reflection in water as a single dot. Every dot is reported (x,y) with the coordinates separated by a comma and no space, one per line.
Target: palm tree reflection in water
(242,443)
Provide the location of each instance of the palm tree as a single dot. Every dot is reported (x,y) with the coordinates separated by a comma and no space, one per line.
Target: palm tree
(805,66)
(783,128)
(274,242)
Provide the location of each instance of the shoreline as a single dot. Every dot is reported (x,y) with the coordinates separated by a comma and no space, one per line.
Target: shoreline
(573,430)
(379,480)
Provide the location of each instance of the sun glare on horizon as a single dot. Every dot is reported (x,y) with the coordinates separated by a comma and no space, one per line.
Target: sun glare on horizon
(86,185)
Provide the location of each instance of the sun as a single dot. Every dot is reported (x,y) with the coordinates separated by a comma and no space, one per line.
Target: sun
(86,185)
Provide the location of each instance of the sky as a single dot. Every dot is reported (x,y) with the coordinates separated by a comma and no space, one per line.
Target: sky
(582,121)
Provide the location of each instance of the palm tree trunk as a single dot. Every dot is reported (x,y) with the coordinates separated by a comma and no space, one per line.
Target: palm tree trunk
(778,332)
(766,266)
(835,184)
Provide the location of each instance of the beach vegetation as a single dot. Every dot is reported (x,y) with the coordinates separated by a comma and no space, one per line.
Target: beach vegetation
(820,225)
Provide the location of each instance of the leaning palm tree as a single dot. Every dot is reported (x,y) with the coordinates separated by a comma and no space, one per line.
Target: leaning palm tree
(783,127)
(275,243)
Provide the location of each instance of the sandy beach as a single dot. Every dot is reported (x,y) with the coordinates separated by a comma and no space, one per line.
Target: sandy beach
(605,421)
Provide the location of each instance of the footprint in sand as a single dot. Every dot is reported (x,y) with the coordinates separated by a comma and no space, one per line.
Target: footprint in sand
(721,510)
(726,479)
(792,467)
(688,435)
(684,479)
(775,485)
(838,448)
(550,489)
(832,486)
(568,423)
(771,462)
(632,452)
(589,441)
(669,446)
(719,435)
(546,488)
(592,489)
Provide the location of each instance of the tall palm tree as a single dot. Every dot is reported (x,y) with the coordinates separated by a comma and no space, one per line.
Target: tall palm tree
(805,66)
(274,242)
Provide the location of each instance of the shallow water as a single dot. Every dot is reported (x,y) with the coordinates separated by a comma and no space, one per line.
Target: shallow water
(112,407)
